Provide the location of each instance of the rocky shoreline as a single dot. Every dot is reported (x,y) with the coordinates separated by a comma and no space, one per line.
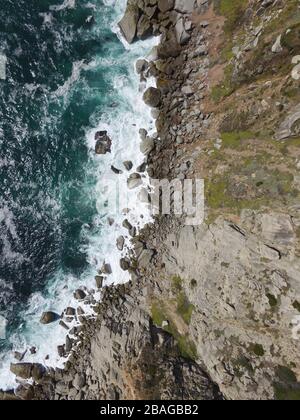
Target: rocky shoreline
(209,311)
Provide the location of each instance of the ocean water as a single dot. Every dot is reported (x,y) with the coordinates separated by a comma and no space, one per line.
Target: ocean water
(65,79)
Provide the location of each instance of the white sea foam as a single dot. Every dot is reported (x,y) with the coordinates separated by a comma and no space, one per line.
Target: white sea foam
(122,123)
(67,4)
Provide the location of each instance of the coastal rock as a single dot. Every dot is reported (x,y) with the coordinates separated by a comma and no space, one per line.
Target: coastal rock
(68,345)
(21,370)
(131,229)
(182,35)
(99,281)
(49,317)
(70,311)
(120,243)
(129,22)
(9,396)
(28,370)
(19,356)
(61,351)
(165,5)
(116,170)
(141,65)
(170,48)
(79,381)
(103,143)
(124,264)
(79,294)
(134,181)
(128,165)
(106,269)
(24,392)
(152,97)
(145,258)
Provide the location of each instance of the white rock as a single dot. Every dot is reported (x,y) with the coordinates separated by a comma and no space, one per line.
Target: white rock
(296,59)
(277,48)
(296,72)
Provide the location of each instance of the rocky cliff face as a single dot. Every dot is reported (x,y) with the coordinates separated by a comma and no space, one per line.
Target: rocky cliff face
(213,310)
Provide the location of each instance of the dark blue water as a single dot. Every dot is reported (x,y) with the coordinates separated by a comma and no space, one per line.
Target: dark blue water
(45,171)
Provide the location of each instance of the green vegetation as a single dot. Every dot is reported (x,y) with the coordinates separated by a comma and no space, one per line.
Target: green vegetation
(219,196)
(286,386)
(157,314)
(296,305)
(241,364)
(233,12)
(291,38)
(186,347)
(184,308)
(272,300)
(257,349)
(177,284)
(161,312)
(225,88)
(234,139)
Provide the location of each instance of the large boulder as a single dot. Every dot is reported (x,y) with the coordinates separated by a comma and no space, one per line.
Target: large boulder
(79,294)
(79,381)
(185,6)
(147,145)
(141,65)
(144,28)
(145,258)
(181,34)
(49,317)
(128,24)
(28,370)
(165,5)
(169,48)
(152,97)
(103,143)
(134,181)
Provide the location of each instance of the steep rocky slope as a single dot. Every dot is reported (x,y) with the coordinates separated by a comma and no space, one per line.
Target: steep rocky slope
(213,310)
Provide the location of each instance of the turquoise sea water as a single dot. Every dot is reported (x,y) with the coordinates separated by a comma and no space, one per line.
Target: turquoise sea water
(64,79)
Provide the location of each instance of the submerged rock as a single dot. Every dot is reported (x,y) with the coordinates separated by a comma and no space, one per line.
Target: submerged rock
(79,294)
(49,317)
(128,165)
(103,143)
